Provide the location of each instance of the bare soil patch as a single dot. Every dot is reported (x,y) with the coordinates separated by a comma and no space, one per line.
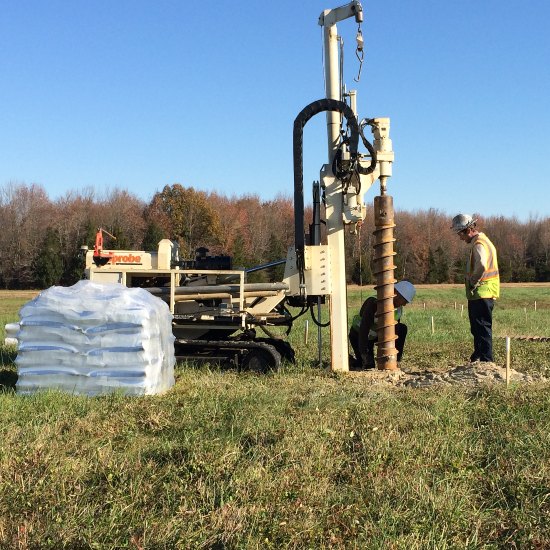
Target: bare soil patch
(472,374)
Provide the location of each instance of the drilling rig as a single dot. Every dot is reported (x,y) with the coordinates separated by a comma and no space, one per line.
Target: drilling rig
(316,270)
(218,314)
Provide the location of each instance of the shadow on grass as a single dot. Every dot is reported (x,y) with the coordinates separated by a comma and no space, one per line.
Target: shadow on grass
(8,378)
(8,373)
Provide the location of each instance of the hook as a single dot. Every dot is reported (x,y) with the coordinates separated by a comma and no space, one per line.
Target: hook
(359,52)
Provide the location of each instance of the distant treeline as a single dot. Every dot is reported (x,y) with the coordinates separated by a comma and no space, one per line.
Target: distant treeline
(40,239)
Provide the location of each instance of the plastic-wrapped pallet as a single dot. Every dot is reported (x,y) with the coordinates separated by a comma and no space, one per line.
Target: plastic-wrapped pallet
(11,330)
(94,338)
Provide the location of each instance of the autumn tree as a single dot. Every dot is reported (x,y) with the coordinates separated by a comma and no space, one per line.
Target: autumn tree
(75,219)
(438,266)
(361,272)
(25,211)
(190,218)
(153,235)
(238,253)
(231,221)
(255,232)
(510,240)
(36,233)
(75,262)
(538,249)
(359,255)
(48,263)
(121,213)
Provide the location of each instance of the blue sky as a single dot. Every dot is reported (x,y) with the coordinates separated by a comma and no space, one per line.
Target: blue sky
(140,94)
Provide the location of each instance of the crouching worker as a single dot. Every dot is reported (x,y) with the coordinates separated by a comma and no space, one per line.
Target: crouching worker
(363,335)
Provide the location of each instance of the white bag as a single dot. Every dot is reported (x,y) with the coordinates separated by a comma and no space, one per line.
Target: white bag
(94,338)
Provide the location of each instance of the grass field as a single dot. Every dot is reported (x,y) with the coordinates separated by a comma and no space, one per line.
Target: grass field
(301,458)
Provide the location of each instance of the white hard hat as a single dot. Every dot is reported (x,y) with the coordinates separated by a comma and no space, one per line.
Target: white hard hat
(406,290)
(462,222)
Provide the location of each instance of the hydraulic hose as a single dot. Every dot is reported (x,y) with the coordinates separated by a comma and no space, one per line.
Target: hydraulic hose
(315,320)
(300,121)
(352,142)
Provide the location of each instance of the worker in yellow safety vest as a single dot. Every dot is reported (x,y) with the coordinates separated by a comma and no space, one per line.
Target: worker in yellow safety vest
(363,335)
(482,285)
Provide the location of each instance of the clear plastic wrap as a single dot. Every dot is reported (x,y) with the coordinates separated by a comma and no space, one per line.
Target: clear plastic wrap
(94,338)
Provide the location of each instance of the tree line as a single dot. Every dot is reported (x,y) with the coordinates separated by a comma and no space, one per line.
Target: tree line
(40,238)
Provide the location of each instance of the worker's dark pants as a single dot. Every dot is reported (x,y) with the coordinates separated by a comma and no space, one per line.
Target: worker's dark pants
(480,313)
(354,341)
(368,360)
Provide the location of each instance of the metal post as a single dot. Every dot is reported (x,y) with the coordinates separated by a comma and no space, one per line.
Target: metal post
(507,360)
(332,84)
(337,271)
(333,186)
(334,214)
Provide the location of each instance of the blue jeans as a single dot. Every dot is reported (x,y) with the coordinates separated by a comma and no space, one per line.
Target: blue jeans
(480,313)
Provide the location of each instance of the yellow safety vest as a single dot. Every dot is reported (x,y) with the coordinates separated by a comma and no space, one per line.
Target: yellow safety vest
(489,286)
(356,322)
(396,315)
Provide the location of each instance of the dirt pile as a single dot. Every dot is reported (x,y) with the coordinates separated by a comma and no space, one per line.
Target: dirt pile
(472,374)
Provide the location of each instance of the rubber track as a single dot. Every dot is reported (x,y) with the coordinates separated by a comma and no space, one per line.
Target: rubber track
(237,345)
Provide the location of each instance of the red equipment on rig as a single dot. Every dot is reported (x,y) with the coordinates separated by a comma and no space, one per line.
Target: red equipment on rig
(100,257)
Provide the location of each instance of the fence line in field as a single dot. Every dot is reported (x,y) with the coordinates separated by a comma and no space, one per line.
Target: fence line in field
(455,307)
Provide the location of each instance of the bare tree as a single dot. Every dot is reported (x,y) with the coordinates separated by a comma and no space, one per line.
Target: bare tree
(25,214)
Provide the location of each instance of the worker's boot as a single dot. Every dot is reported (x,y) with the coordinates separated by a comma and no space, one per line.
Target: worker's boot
(368,361)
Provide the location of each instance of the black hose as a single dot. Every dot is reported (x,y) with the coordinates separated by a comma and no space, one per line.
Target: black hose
(369,169)
(352,142)
(300,121)
(302,311)
(318,323)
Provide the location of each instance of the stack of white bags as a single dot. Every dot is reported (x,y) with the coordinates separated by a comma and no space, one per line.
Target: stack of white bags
(12,332)
(93,339)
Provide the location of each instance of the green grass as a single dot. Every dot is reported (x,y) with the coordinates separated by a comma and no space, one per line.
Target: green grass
(298,459)
(451,343)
